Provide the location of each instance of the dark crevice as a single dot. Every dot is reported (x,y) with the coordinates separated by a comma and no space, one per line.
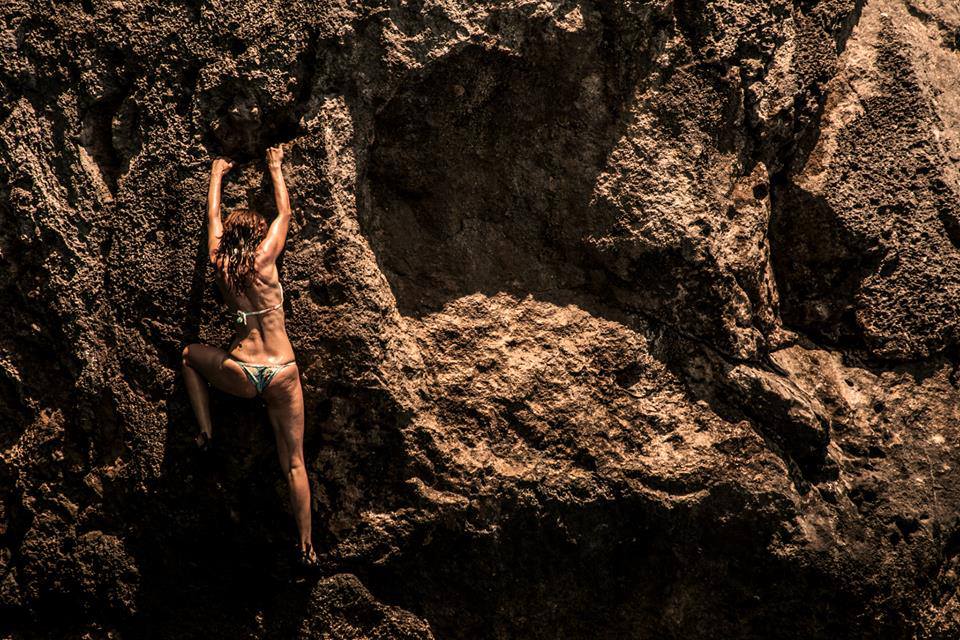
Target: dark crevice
(628,376)
(237,46)
(188,88)
(306,73)
(196,9)
(245,121)
(97,136)
(951,547)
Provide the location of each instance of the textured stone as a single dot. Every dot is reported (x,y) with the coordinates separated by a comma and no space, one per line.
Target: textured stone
(622,319)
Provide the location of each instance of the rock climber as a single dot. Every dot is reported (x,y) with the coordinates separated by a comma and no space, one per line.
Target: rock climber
(260,361)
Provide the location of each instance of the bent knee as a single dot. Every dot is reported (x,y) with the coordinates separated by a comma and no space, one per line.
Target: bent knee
(187,353)
(295,463)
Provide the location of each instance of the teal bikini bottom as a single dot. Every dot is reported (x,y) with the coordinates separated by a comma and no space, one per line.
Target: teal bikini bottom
(261,374)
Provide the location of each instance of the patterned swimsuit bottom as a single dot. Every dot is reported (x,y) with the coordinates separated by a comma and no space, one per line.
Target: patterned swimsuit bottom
(261,374)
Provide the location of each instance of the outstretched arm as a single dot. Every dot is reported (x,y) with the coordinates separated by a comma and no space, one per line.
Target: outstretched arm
(276,236)
(214,224)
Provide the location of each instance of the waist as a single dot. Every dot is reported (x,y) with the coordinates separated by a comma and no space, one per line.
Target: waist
(262,362)
(261,346)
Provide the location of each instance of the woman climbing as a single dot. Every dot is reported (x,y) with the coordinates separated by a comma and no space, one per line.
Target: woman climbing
(260,361)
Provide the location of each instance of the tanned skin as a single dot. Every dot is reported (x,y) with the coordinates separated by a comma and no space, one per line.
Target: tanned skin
(262,340)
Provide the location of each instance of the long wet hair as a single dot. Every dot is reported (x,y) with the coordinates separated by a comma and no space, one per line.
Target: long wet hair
(243,229)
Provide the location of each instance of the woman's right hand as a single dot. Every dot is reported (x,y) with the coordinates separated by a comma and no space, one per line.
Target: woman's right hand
(274,156)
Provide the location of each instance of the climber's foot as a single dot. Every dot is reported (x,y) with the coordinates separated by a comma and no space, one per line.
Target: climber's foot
(306,560)
(204,441)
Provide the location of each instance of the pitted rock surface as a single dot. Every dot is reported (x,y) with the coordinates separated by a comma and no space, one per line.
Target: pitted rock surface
(621,319)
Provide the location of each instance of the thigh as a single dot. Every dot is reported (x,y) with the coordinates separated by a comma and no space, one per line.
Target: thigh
(284,399)
(219,370)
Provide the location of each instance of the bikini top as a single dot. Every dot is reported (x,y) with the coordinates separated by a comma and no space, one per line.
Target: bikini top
(241,317)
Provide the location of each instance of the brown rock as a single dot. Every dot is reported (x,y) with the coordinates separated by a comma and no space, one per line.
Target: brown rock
(615,320)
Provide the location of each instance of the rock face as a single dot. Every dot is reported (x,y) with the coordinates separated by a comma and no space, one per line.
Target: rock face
(630,319)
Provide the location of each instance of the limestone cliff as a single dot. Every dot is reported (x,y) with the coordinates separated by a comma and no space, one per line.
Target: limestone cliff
(627,319)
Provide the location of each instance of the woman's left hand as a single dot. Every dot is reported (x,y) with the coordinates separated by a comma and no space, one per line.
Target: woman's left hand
(221,166)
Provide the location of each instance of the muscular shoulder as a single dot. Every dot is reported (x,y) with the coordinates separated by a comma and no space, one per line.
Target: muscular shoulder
(263,263)
(267,271)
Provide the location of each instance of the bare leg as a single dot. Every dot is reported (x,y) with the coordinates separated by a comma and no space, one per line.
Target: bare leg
(284,399)
(202,363)
(199,395)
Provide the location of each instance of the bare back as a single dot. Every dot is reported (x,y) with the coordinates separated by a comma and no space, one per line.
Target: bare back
(264,337)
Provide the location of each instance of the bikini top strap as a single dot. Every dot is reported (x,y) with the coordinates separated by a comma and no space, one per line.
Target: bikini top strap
(242,315)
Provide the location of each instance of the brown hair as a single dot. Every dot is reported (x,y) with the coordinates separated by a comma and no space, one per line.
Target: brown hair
(243,229)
